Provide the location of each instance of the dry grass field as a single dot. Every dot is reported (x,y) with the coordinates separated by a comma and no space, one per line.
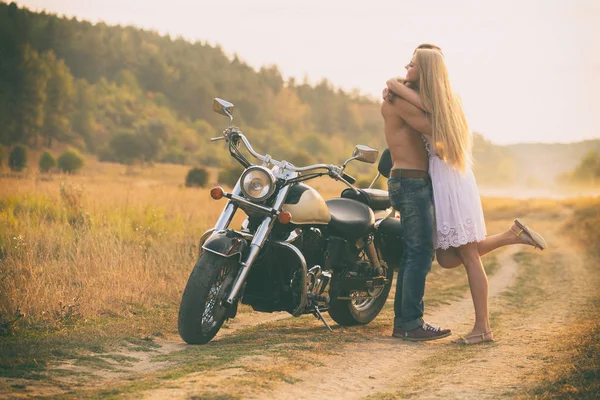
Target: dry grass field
(93,267)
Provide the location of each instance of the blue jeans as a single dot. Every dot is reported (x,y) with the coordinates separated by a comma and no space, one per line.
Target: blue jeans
(413,198)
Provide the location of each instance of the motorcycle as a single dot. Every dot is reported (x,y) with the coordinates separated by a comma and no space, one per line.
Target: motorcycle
(294,252)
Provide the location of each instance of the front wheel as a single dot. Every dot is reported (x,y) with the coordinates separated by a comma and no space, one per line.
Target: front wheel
(201,312)
(360,312)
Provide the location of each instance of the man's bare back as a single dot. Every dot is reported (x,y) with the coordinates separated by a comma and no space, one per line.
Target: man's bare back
(406,144)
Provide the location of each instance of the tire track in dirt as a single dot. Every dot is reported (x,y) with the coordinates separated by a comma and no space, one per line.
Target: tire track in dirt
(368,368)
(141,362)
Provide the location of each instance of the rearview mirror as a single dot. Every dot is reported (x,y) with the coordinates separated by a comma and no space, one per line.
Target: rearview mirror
(222,107)
(365,154)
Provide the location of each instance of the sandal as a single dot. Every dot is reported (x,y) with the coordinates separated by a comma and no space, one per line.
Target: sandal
(531,237)
(476,338)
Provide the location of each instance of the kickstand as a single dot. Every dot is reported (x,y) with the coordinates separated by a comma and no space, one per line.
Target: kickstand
(318,314)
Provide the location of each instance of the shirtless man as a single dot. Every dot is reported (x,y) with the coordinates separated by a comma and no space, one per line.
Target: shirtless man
(411,194)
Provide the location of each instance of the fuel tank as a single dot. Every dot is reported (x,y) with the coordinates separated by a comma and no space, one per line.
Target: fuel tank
(306,206)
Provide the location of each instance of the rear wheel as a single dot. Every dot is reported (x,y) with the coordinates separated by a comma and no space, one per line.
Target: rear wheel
(201,312)
(361,312)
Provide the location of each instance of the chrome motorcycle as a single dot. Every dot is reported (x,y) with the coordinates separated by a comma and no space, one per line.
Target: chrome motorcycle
(294,252)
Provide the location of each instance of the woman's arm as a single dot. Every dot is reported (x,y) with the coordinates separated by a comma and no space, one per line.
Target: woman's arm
(412,115)
(400,89)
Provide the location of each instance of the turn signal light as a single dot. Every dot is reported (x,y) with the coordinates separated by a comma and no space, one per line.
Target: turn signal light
(284,217)
(217,193)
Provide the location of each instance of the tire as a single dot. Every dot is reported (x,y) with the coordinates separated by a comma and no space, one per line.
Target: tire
(360,312)
(201,313)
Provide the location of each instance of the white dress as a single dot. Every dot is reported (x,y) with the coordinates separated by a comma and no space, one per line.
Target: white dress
(458,213)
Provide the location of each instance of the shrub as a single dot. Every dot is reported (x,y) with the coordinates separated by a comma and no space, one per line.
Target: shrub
(2,157)
(126,147)
(17,159)
(196,177)
(47,162)
(230,175)
(105,154)
(175,156)
(70,161)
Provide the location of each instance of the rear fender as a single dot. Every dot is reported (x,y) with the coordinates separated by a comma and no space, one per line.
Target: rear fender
(227,243)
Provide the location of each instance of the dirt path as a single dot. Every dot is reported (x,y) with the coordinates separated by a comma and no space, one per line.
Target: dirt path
(534,297)
(373,367)
(531,303)
(388,368)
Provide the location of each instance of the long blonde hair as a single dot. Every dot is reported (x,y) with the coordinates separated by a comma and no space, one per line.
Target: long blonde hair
(451,136)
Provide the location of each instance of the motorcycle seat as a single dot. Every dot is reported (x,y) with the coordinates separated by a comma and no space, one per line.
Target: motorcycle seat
(377,199)
(350,219)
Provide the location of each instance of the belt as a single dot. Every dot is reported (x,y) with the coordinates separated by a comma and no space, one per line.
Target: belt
(408,173)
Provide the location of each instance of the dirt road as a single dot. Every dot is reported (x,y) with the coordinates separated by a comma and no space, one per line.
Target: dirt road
(535,300)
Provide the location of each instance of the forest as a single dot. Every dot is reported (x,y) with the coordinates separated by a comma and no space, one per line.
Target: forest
(123,94)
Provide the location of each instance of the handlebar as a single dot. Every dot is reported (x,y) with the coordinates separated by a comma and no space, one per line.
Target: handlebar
(349,178)
(282,164)
(334,171)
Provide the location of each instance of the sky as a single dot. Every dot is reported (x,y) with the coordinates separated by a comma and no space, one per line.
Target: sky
(526,70)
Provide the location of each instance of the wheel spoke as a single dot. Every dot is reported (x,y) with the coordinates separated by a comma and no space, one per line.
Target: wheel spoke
(214,299)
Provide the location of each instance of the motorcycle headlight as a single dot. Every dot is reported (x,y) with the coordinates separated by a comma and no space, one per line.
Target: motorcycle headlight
(257,183)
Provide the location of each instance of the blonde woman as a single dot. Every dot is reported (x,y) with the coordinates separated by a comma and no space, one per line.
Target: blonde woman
(424,99)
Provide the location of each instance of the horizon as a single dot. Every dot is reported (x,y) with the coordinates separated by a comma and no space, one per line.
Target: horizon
(544,108)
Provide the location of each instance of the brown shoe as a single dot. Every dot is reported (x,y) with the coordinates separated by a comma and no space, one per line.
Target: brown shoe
(422,333)
(529,236)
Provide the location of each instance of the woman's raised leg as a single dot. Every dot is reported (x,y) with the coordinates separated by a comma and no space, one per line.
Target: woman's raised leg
(449,258)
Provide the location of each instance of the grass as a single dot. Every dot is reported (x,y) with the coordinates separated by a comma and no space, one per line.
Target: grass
(577,375)
(573,358)
(98,260)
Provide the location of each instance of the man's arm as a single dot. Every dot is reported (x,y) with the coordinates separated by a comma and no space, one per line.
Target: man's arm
(413,116)
(405,92)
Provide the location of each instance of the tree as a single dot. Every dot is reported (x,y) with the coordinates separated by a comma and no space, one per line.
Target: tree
(70,161)
(230,175)
(47,162)
(152,138)
(82,120)
(126,146)
(59,101)
(196,177)
(17,159)
(30,97)
(588,169)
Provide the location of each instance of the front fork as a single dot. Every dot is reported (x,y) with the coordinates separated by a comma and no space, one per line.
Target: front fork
(260,236)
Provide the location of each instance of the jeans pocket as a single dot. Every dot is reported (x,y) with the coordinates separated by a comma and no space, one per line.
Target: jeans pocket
(414,186)
(394,186)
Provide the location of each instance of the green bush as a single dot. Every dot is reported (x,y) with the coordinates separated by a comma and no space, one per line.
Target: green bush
(47,162)
(175,156)
(17,159)
(106,154)
(126,147)
(230,174)
(196,177)
(2,157)
(70,161)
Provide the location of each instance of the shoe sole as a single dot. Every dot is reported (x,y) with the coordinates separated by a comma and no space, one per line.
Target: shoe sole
(410,339)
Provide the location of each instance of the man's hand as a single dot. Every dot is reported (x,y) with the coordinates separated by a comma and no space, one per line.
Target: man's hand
(389,96)
(384,94)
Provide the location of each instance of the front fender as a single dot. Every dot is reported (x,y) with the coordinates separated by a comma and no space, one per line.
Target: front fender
(227,243)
